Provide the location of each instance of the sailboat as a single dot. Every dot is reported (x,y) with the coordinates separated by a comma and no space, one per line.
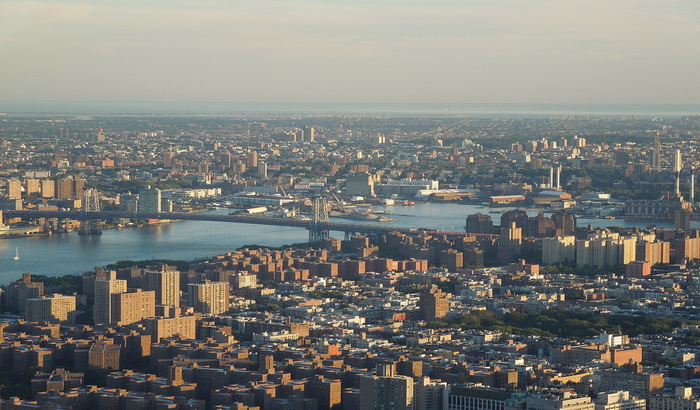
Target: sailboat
(16,254)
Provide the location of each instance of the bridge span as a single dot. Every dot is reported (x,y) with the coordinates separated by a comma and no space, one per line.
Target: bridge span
(346,227)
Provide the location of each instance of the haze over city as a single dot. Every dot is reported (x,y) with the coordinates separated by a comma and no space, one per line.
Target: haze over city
(504,51)
(349,205)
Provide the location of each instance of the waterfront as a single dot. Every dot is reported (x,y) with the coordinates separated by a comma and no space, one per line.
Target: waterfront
(62,254)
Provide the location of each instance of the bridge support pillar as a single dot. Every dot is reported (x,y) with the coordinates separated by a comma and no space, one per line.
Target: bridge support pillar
(90,227)
(317,235)
(91,204)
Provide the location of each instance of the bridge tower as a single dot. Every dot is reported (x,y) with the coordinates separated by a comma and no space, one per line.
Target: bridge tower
(319,214)
(91,203)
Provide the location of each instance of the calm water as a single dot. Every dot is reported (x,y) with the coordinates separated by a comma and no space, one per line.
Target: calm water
(71,253)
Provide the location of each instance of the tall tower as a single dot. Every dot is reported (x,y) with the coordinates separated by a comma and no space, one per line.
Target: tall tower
(692,186)
(559,177)
(166,284)
(656,152)
(677,161)
(262,169)
(104,289)
(150,200)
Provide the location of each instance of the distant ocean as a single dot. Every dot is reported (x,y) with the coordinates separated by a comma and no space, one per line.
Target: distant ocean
(317,108)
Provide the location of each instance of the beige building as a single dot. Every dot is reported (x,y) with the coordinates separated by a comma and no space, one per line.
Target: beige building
(619,400)
(160,328)
(131,307)
(166,284)
(104,289)
(55,309)
(48,188)
(13,188)
(558,250)
(606,249)
(32,186)
(210,298)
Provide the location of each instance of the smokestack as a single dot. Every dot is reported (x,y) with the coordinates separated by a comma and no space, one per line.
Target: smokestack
(692,186)
(559,177)
(551,177)
(678,184)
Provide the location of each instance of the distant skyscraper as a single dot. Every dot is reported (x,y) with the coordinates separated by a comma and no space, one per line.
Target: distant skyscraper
(150,200)
(262,169)
(656,153)
(677,161)
(308,134)
(252,159)
(168,159)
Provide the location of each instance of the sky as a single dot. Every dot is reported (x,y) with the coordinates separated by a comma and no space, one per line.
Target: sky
(437,51)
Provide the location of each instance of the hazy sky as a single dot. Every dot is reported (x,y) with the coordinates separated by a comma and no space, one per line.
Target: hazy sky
(491,51)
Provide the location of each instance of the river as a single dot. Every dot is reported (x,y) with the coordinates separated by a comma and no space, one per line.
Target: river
(63,254)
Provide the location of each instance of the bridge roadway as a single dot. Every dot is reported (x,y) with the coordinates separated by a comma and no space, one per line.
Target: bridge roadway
(206,216)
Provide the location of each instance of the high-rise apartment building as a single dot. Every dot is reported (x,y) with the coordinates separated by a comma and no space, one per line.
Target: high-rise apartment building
(434,303)
(55,309)
(131,307)
(104,289)
(512,236)
(210,298)
(13,188)
(32,186)
(262,169)
(48,188)
(386,390)
(17,292)
(252,159)
(564,223)
(428,394)
(64,188)
(150,200)
(561,249)
(78,188)
(479,223)
(654,252)
(165,283)
(168,159)
(360,184)
(308,134)
(609,249)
